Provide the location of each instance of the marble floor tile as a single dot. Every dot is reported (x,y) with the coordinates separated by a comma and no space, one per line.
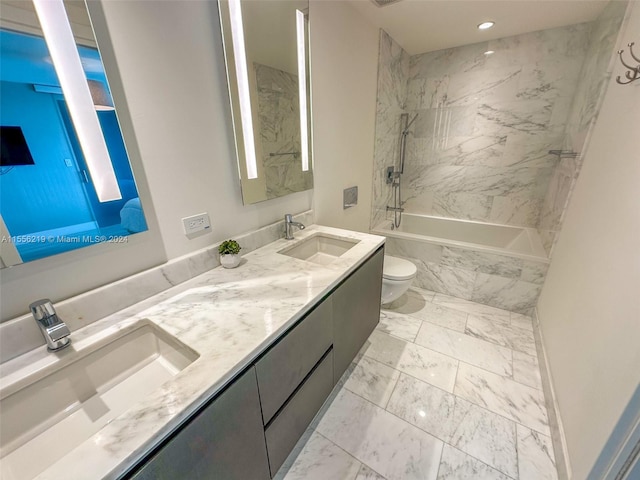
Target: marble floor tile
(372,380)
(321,459)
(472,429)
(522,321)
(491,313)
(389,445)
(526,370)
(399,325)
(463,347)
(520,403)
(536,460)
(432,367)
(510,336)
(443,316)
(411,302)
(456,465)
(366,473)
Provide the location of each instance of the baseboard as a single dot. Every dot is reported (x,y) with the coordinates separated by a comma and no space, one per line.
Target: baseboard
(555,421)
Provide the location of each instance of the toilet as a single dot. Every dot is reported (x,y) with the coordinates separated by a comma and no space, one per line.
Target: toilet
(397,275)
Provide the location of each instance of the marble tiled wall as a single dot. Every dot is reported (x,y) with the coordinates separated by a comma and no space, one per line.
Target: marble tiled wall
(501,281)
(589,92)
(393,71)
(279,127)
(479,148)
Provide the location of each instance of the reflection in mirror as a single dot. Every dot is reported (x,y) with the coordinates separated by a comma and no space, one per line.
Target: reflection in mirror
(65,177)
(266,52)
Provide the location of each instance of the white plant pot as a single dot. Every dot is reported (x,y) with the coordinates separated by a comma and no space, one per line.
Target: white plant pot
(230,260)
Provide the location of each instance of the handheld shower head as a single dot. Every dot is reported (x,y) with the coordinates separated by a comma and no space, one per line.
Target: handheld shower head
(406,128)
(404,120)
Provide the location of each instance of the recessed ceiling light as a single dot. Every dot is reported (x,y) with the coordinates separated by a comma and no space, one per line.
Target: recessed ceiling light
(489,52)
(486,25)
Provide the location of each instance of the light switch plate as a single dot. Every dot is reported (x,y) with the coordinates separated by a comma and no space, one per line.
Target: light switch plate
(196,223)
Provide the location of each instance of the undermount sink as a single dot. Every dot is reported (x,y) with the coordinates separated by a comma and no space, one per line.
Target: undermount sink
(54,411)
(320,248)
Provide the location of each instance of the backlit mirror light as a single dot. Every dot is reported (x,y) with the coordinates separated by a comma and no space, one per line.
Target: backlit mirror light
(237,35)
(302,88)
(66,61)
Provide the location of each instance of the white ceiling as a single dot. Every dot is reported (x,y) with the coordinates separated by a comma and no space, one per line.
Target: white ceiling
(426,25)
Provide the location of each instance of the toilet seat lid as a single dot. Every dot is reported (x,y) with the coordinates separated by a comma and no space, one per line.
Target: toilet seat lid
(398,268)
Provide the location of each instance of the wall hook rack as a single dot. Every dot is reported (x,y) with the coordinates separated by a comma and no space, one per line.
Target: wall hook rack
(633,73)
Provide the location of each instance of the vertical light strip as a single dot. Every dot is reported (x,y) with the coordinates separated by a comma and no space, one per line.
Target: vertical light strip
(302,89)
(240,57)
(66,60)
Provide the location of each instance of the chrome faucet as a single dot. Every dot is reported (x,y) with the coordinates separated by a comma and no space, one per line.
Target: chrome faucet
(54,330)
(288,224)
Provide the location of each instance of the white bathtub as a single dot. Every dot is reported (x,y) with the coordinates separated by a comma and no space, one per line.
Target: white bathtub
(519,242)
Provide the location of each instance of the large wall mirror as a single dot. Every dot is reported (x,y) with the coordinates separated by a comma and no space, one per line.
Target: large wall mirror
(266,47)
(65,177)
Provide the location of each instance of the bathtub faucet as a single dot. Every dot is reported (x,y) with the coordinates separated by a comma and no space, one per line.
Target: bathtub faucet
(54,330)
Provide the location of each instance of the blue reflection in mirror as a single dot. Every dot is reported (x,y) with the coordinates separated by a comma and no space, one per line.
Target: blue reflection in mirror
(49,204)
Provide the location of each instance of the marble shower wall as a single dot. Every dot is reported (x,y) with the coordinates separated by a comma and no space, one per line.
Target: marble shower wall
(393,71)
(479,148)
(279,131)
(589,93)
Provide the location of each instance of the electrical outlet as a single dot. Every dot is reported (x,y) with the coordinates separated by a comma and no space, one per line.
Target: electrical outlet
(196,223)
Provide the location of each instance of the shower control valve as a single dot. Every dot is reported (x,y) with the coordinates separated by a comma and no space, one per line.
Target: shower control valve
(391,175)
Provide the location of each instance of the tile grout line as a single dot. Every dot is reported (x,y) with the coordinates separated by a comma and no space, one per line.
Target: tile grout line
(462,361)
(445,442)
(469,336)
(421,346)
(343,450)
(495,342)
(481,407)
(392,392)
(456,378)
(501,415)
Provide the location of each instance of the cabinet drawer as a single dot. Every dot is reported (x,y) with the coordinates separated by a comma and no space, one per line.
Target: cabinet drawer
(289,425)
(288,362)
(224,441)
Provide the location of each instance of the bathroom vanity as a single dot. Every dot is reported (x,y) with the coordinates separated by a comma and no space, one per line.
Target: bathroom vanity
(249,429)
(264,343)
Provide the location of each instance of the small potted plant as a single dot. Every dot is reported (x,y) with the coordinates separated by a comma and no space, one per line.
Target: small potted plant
(229,251)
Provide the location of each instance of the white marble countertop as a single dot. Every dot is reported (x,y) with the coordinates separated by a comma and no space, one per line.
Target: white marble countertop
(228,316)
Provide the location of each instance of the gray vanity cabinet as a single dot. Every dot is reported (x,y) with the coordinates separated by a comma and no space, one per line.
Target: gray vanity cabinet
(224,441)
(356,312)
